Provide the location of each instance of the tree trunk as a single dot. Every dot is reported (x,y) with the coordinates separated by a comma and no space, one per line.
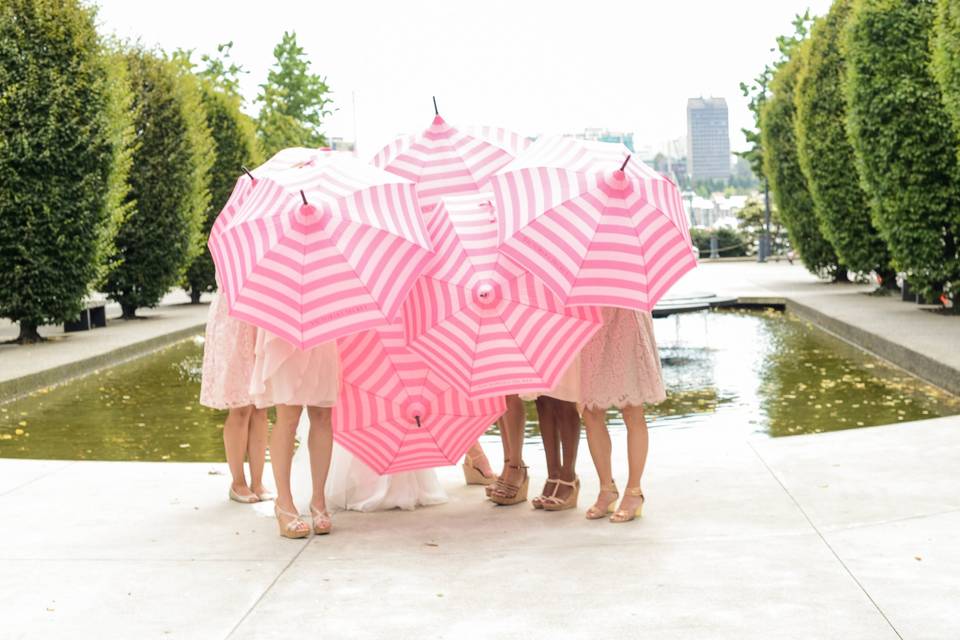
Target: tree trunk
(28,333)
(129,311)
(888,279)
(195,296)
(841,275)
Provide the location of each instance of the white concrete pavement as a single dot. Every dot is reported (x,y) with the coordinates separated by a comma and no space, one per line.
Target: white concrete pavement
(848,534)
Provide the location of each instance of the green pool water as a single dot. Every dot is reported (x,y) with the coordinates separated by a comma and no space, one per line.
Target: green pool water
(759,371)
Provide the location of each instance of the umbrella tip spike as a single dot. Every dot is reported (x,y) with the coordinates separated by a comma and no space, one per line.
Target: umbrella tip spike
(303,197)
(625,161)
(247,171)
(436,111)
(417,418)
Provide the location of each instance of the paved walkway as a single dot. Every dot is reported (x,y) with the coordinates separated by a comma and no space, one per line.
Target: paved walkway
(849,534)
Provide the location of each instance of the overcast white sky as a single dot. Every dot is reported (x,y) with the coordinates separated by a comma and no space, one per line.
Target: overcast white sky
(535,66)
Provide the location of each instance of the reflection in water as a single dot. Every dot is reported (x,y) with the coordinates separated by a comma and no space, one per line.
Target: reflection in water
(760,371)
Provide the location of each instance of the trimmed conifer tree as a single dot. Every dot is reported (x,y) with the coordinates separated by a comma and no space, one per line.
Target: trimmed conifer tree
(826,156)
(169,183)
(782,168)
(65,136)
(904,140)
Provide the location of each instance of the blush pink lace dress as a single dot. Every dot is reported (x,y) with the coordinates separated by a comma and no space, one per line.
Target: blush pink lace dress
(283,374)
(620,365)
(228,353)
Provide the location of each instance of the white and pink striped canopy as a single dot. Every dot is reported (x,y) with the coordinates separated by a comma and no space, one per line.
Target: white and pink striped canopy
(322,246)
(596,234)
(444,160)
(481,321)
(395,414)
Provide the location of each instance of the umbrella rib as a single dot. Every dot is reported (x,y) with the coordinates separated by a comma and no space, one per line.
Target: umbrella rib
(589,244)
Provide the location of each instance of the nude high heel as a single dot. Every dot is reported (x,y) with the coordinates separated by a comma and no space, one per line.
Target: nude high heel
(506,494)
(593,513)
(625,515)
(322,525)
(236,497)
(295,527)
(537,501)
(473,475)
(553,503)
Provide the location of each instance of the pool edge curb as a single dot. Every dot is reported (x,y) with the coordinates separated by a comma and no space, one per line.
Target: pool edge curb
(24,385)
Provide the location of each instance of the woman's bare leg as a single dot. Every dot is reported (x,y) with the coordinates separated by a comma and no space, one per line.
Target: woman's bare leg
(550,434)
(598,439)
(235,447)
(512,426)
(638,444)
(282,442)
(257,449)
(320,443)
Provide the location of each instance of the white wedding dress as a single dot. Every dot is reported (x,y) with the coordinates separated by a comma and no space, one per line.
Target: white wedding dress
(353,486)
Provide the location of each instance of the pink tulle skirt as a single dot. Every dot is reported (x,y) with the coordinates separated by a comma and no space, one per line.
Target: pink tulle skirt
(283,374)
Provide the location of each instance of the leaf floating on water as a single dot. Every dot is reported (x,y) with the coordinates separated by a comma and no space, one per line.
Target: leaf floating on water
(184,445)
(23,423)
(19,432)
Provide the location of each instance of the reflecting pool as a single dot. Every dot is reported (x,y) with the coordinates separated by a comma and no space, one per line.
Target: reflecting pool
(760,371)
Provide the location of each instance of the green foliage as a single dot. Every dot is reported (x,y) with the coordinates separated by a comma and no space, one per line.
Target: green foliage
(730,243)
(946,56)
(782,168)
(758,91)
(826,155)
(752,219)
(64,152)
(904,140)
(293,101)
(168,180)
(235,143)
(235,146)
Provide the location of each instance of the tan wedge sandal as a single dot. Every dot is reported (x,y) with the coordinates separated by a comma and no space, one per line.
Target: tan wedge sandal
(598,510)
(506,494)
(537,501)
(295,528)
(626,515)
(322,525)
(553,503)
(473,475)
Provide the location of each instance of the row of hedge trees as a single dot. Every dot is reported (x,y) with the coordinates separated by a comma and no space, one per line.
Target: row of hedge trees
(116,159)
(859,137)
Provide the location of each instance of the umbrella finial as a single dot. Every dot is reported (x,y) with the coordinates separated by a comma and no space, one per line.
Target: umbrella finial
(303,196)
(436,111)
(625,161)
(247,171)
(417,418)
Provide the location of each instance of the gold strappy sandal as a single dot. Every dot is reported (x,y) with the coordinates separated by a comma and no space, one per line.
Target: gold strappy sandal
(295,528)
(322,525)
(626,515)
(594,513)
(553,503)
(537,501)
(506,494)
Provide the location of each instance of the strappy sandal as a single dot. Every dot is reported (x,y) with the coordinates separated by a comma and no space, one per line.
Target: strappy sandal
(595,512)
(322,525)
(506,494)
(473,475)
(553,503)
(295,527)
(537,501)
(626,515)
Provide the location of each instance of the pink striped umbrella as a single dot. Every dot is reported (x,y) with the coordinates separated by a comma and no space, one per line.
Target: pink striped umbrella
(597,228)
(481,321)
(395,414)
(444,160)
(320,247)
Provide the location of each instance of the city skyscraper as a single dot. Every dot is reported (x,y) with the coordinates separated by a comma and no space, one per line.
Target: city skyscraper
(708,139)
